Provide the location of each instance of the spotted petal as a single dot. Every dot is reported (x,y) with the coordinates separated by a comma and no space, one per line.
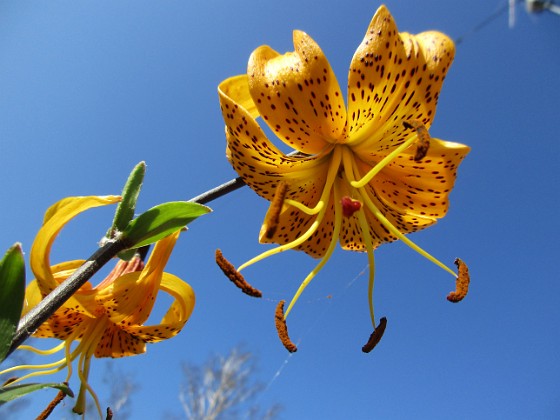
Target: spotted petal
(420,189)
(297,94)
(261,164)
(393,78)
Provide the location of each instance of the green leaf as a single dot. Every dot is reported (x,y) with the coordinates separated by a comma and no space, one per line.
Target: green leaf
(125,209)
(11,392)
(161,221)
(12,292)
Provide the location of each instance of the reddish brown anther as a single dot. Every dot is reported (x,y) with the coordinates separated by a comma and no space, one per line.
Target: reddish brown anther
(461,284)
(109,414)
(235,276)
(349,206)
(282,328)
(272,217)
(52,405)
(423,138)
(375,336)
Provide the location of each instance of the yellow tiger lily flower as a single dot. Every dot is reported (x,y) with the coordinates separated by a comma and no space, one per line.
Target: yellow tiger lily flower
(106,320)
(361,175)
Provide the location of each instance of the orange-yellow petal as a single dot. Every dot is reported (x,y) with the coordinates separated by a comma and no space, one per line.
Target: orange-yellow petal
(256,159)
(55,218)
(130,298)
(297,94)
(420,189)
(393,78)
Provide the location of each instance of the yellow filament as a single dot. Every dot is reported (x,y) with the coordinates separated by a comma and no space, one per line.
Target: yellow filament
(326,257)
(42,352)
(371,262)
(44,366)
(49,368)
(307,210)
(83,373)
(90,344)
(351,171)
(379,215)
(384,162)
(331,175)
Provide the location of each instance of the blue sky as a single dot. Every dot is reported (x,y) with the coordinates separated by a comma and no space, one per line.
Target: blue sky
(90,88)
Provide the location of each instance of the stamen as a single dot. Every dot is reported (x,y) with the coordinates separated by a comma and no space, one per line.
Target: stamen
(307,210)
(349,206)
(375,336)
(461,284)
(391,228)
(325,196)
(47,411)
(330,249)
(423,137)
(272,217)
(42,352)
(235,276)
(371,262)
(282,328)
(9,381)
(109,414)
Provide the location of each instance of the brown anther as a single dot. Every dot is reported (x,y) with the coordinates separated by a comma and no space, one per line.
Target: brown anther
(52,405)
(423,138)
(9,381)
(282,328)
(109,414)
(235,276)
(272,217)
(375,336)
(461,284)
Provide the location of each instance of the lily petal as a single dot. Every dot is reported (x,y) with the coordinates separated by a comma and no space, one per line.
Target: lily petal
(55,218)
(393,78)
(256,159)
(420,189)
(297,94)
(130,298)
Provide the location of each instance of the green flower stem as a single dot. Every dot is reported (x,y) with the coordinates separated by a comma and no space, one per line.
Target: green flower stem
(54,300)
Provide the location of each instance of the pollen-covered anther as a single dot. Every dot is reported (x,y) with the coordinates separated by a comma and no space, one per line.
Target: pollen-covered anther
(461,284)
(375,336)
(349,206)
(423,143)
(235,276)
(52,405)
(282,328)
(272,217)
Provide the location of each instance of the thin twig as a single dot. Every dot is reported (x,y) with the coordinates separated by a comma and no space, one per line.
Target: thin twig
(219,191)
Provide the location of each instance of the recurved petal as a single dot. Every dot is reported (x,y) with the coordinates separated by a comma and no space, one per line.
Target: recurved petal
(394,77)
(420,189)
(176,316)
(55,218)
(261,165)
(297,94)
(237,89)
(129,300)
